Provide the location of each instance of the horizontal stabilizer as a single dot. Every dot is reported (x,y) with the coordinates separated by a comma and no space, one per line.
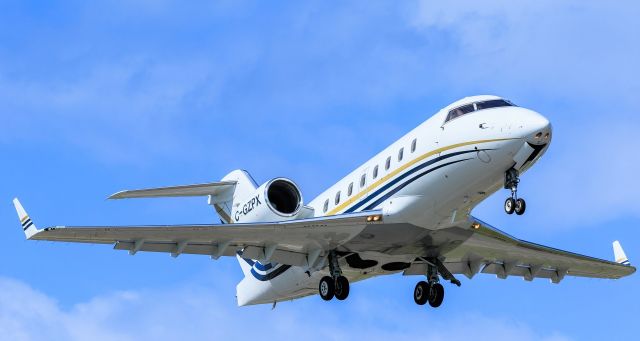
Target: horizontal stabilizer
(619,254)
(213,188)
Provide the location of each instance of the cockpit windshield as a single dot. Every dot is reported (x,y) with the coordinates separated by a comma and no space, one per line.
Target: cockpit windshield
(469,108)
(493,104)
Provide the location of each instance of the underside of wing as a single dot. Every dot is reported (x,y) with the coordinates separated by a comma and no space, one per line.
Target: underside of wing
(488,250)
(297,242)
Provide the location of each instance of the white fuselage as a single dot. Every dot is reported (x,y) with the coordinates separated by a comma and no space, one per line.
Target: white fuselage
(431,178)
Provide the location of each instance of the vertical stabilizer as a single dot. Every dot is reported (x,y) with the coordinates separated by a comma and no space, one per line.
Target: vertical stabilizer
(244,188)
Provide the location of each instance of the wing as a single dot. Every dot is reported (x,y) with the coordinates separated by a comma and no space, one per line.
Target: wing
(488,250)
(298,242)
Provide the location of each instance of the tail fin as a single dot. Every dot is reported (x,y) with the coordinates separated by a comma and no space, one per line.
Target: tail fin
(619,254)
(245,186)
(28,226)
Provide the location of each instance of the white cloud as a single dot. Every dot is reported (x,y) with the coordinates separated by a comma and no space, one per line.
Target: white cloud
(195,313)
(573,48)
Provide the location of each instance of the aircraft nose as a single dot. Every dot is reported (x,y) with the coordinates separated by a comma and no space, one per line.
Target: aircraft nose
(536,128)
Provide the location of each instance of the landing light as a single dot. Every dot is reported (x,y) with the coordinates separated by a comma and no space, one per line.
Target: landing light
(475,226)
(374,218)
(538,135)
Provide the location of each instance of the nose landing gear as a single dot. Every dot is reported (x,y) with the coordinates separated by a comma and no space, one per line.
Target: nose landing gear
(335,285)
(513,204)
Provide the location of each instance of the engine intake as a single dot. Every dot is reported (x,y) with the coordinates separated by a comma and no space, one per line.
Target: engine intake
(276,200)
(284,197)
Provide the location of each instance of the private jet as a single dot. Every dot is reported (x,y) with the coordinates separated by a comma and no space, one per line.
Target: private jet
(406,210)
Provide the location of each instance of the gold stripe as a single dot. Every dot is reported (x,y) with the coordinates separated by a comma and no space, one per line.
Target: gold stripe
(24,219)
(405,166)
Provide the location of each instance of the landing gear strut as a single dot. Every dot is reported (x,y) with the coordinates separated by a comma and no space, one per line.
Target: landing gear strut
(432,291)
(335,285)
(513,204)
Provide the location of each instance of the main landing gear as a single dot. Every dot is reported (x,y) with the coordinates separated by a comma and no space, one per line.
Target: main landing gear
(432,291)
(428,292)
(335,285)
(513,204)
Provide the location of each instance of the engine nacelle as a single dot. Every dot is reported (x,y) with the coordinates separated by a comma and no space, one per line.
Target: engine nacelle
(276,200)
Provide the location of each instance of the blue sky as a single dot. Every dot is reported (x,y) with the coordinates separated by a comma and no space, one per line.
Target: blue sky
(100,96)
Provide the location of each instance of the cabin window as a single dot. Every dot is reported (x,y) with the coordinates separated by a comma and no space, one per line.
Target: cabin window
(350,190)
(387,164)
(338,197)
(363,180)
(375,172)
(400,154)
(326,206)
(414,143)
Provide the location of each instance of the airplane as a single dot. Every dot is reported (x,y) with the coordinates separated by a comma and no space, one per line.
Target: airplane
(406,210)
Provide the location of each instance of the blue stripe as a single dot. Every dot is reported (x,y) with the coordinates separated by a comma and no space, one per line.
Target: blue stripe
(406,183)
(28,226)
(255,265)
(258,265)
(273,274)
(405,175)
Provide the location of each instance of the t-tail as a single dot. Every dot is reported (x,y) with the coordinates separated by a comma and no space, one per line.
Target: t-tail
(237,198)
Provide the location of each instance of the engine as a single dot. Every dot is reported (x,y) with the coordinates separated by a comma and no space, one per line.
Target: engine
(276,200)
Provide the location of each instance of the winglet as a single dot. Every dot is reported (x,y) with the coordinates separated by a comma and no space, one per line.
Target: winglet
(28,226)
(618,252)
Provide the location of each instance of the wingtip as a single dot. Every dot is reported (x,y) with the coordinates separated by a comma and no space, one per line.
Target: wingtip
(19,209)
(619,254)
(115,196)
(28,226)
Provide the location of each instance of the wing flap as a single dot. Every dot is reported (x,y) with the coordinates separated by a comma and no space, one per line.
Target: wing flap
(172,247)
(212,249)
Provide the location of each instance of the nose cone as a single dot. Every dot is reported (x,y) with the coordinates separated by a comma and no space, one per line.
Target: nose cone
(535,128)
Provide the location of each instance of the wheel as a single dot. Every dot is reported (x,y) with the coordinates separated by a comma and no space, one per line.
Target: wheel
(436,295)
(521,206)
(326,288)
(510,205)
(342,288)
(421,293)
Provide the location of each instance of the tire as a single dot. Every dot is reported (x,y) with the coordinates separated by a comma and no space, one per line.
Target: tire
(509,205)
(421,293)
(436,295)
(342,288)
(521,206)
(326,288)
